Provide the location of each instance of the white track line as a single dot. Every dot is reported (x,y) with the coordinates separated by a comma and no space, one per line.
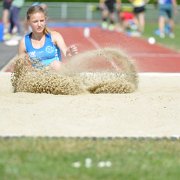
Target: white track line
(159,55)
(162,55)
(97,46)
(93,42)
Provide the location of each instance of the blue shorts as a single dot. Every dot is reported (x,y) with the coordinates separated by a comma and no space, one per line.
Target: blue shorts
(166,10)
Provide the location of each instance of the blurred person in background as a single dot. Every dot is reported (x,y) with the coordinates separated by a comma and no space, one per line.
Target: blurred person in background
(167,10)
(5,14)
(127,19)
(14,17)
(14,33)
(139,12)
(108,13)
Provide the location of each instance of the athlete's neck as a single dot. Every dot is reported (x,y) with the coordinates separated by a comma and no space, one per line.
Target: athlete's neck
(37,37)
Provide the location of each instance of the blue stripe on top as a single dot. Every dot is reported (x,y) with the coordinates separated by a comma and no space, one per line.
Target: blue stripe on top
(44,55)
(165,1)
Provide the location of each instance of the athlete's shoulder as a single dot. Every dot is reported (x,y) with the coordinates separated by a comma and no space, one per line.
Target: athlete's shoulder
(54,33)
(22,46)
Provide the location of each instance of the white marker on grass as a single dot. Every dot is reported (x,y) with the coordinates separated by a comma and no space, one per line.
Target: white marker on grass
(101,164)
(108,164)
(76,164)
(151,40)
(88,162)
(86,32)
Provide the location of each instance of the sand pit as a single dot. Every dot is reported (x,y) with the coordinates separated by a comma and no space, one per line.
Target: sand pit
(86,102)
(151,111)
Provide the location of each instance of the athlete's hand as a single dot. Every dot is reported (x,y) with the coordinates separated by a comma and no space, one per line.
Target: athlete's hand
(72,50)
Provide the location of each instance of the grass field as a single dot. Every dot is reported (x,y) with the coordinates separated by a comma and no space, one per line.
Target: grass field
(53,158)
(168,42)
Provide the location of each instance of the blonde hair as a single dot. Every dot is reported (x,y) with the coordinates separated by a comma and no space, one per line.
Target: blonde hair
(37,9)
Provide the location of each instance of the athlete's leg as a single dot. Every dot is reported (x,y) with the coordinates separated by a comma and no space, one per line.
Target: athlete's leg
(141,20)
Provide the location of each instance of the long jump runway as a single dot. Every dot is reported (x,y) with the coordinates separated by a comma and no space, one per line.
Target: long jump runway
(151,111)
(148,58)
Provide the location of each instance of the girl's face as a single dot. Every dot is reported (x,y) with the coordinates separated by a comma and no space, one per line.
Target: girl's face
(37,22)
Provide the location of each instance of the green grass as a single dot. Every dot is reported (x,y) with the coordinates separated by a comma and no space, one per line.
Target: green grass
(168,42)
(52,158)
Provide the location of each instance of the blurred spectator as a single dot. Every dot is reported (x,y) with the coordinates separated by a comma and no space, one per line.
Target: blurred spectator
(139,11)
(127,19)
(14,16)
(12,39)
(167,8)
(5,14)
(108,13)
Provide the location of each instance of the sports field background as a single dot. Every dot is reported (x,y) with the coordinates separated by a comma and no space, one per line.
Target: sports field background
(64,11)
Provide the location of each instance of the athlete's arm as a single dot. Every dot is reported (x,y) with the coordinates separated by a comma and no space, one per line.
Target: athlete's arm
(22,49)
(59,41)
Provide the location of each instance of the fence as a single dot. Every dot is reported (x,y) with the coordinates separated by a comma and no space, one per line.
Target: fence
(85,12)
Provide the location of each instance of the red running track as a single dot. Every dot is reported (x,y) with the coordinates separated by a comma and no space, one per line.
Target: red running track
(148,58)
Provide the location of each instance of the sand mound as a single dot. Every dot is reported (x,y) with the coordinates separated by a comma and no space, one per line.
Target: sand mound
(115,73)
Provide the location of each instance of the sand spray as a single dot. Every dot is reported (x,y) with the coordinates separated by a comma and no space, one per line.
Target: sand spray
(106,70)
